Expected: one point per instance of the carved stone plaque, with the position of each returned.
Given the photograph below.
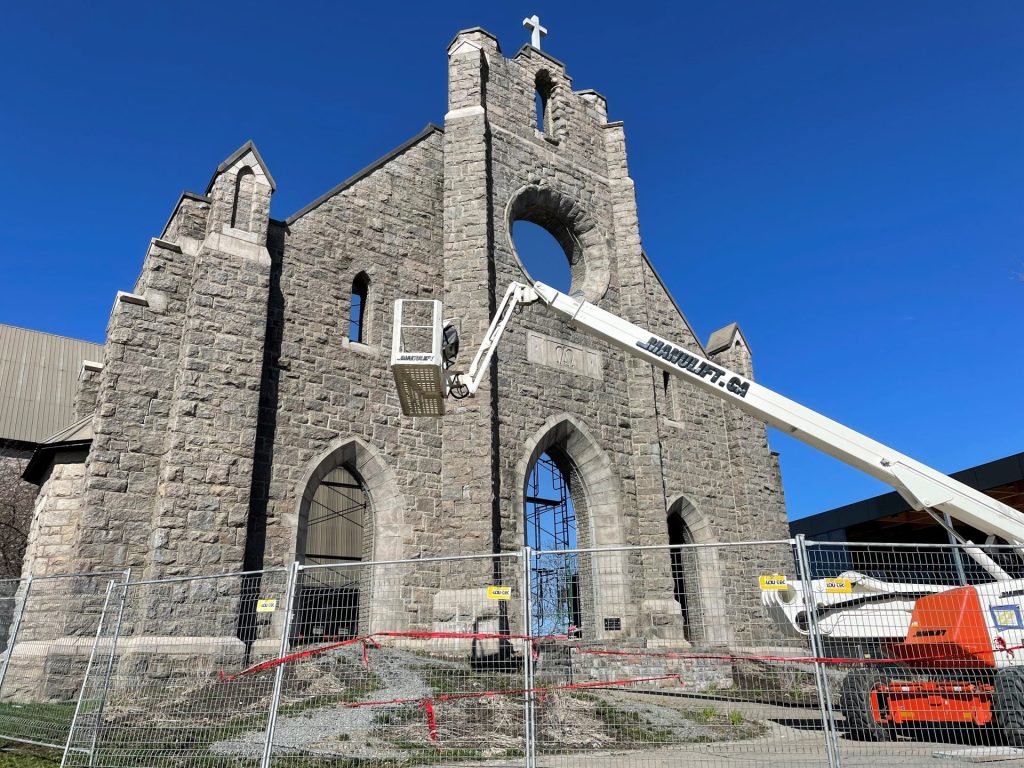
(555, 353)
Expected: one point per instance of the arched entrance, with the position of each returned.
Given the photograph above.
(570, 500)
(697, 584)
(337, 529)
(683, 571)
(349, 511)
(550, 521)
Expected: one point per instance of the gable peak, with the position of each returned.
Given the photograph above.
(245, 155)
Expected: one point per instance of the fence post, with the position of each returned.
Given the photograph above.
(529, 750)
(110, 664)
(828, 719)
(14, 633)
(85, 681)
(275, 699)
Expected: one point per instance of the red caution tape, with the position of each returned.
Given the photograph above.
(1008, 650)
(428, 707)
(368, 641)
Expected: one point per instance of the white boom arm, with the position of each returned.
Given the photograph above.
(923, 487)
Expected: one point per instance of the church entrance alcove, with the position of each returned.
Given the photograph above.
(579, 246)
(349, 511)
(337, 535)
(682, 557)
(551, 528)
(570, 502)
(696, 585)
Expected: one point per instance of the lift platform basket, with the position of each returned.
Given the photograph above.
(416, 357)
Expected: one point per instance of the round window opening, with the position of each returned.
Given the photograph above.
(555, 241)
(541, 255)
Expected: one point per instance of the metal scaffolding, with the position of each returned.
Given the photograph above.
(551, 526)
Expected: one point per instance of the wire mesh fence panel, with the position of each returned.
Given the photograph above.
(164, 686)
(933, 635)
(49, 624)
(9, 591)
(670, 656)
(408, 663)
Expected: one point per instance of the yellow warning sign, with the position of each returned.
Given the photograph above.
(1004, 617)
(266, 606)
(775, 581)
(499, 593)
(838, 586)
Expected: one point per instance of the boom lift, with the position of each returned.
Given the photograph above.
(954, 645)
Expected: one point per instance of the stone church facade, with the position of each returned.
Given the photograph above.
(234, 387)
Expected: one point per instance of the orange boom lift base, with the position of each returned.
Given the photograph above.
(947, 630)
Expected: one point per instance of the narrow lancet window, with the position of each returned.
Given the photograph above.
(357, 309)
(241, 212)
(541, 100)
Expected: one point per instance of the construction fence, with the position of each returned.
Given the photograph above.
(756, 653)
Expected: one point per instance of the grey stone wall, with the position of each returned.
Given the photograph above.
(17, 499)
(52, 545)
(88, 388)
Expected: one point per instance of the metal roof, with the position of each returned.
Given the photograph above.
(38, 380)
(1002, 479)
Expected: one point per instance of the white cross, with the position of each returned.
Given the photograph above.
(533, 24)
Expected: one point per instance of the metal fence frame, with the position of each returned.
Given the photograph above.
(27, 590)
(807, 556)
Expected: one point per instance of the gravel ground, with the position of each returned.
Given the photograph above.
(337, 728)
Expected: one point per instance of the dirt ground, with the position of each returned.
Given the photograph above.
(794, 738)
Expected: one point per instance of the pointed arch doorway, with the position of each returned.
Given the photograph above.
(550, 520)
(349, 511)
(570, 501)
(336, 534)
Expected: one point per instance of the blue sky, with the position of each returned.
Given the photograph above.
(845, 179)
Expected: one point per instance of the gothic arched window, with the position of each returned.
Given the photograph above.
(357, 309)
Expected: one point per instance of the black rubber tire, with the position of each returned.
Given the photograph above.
(1008, 704)
(855, 702)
